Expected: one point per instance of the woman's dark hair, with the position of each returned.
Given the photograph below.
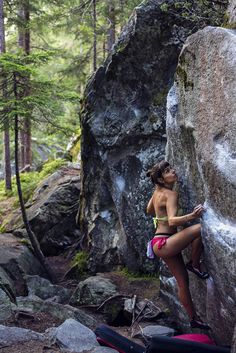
(156, 171)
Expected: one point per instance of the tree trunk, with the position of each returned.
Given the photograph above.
(94, 36)
(25, 153)
(27, 123)
(33, 240)
(6, 133)
(111, 35)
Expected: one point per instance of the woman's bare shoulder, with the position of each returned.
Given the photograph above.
(171, 193)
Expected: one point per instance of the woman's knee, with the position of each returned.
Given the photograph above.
(196, 229)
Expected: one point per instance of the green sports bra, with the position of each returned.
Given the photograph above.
(156, 220)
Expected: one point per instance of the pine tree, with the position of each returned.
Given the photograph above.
(44, 98)
(6, 133)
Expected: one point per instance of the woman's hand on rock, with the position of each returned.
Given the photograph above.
(198, 210)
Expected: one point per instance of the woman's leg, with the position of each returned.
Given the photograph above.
(177, 267)
(196, 251)
(179, 241)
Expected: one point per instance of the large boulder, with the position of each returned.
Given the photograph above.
(52, 210)
(201, 129)
(123, 132)
(16, 260)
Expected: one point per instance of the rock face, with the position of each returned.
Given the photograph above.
(52, 213)
(123, 134)
(201, 130)
(232, 12)
(16, 260)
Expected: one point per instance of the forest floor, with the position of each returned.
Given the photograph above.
(142, 287)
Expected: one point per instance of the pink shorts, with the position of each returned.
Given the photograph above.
(160, 241)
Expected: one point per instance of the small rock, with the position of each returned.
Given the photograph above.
(63, 312)
(104, 350)
(74, 337)
(12, 335)
(94, 290)
(44, 289)
(155, 330)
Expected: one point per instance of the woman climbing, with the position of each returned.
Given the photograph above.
(168, 242)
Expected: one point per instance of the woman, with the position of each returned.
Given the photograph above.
(168, 242)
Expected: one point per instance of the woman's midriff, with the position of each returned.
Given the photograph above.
(165, 228)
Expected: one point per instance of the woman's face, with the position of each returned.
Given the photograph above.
(169, 175)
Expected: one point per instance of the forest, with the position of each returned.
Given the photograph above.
(48, 52)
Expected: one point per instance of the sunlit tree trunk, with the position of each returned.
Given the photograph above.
(6, 133)
(111, 35)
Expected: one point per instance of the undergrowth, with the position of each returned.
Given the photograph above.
(30, 181)
(79, 263)
(137, 275)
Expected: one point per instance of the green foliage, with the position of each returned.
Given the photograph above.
(30, 181)
(79, 263)
(51, 166)
(138, 275)
(25, 241)
(3, 227)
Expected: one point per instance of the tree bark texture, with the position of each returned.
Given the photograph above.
(25, 153)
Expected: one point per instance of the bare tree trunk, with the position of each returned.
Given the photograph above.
(27, 122)
(6, 133)
(2, 29)
(33, 240)
(104, 48)
(21, 44)
(94, 36)
(111, 35)
(25, 154)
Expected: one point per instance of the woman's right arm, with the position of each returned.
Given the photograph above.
(172, 209)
